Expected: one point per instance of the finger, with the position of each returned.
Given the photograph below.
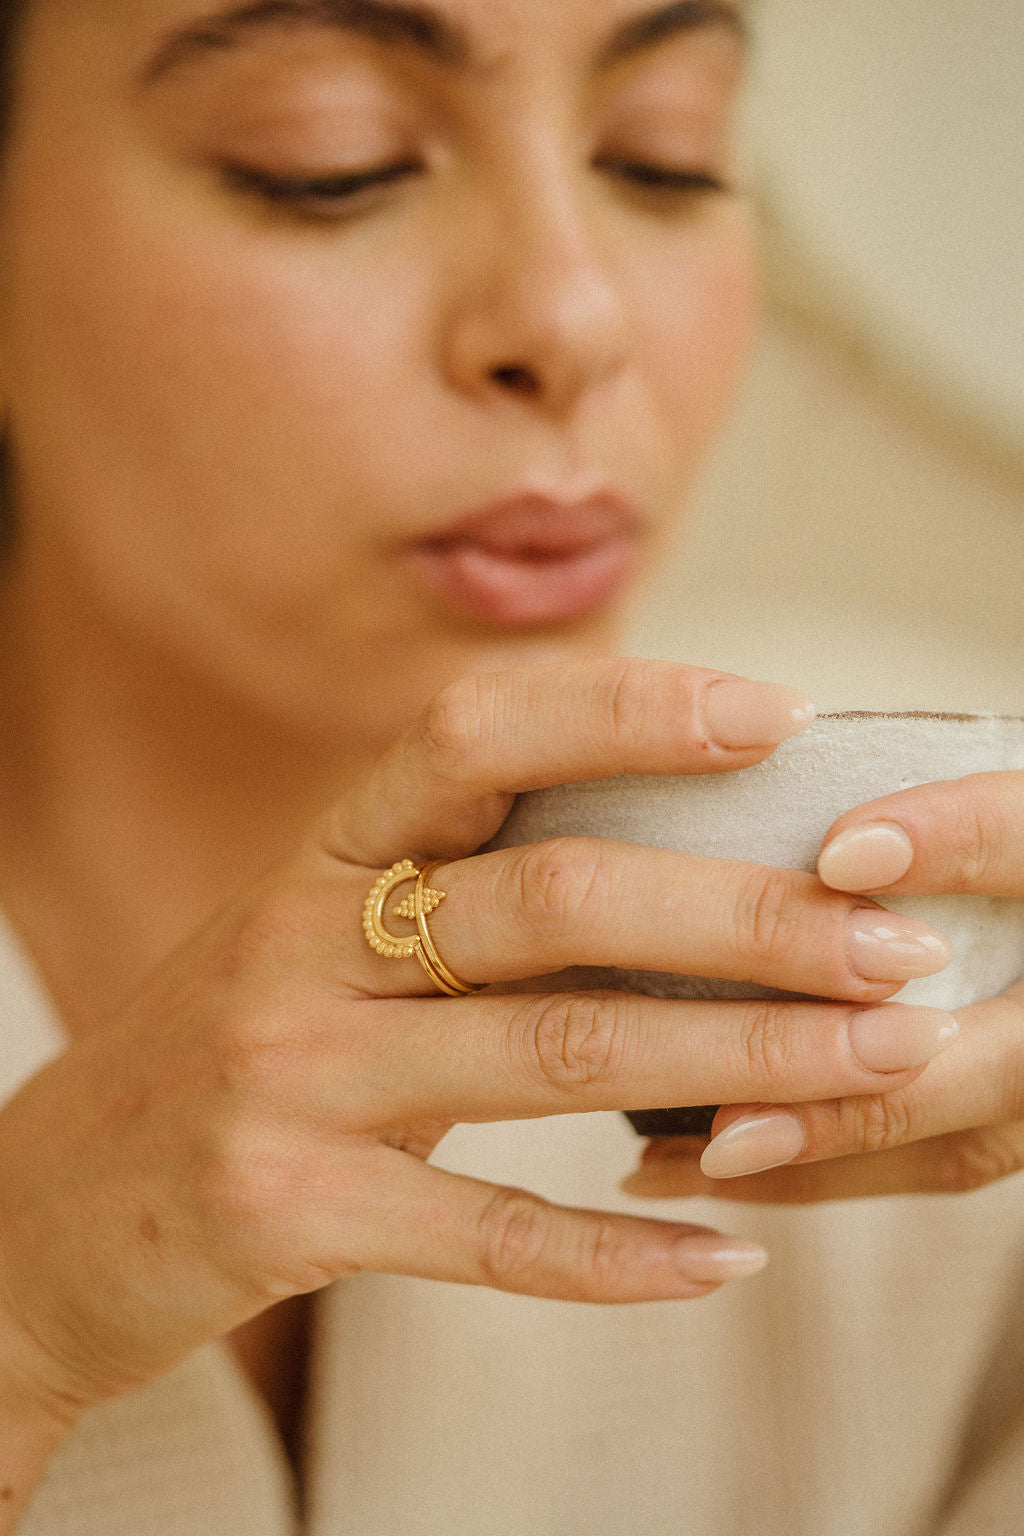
(979, 1084)
(411, 1218)
(448, 784)
(957, 1163)
(573, 901)
(528, 1055)
(961, 835)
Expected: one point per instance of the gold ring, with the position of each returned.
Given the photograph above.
(418, 907)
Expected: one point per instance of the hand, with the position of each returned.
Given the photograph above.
(957, 1128)
(257, 1123)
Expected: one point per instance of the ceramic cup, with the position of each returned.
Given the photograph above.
(778, 813)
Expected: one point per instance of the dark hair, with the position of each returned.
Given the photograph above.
(11, 14)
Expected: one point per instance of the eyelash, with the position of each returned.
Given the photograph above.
(305, 190)
(303, 194)
(663, 178)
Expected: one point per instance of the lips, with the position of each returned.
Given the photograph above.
(532, 560)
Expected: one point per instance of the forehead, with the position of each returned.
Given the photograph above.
(484, 32)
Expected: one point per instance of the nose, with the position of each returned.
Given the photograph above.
(538, 314)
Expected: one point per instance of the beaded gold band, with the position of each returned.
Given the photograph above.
(418, 907)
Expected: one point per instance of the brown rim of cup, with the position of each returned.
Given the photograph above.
(913, 714)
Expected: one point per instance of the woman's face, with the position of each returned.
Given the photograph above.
(291, 288)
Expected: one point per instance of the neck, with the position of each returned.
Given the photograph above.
(132, 802)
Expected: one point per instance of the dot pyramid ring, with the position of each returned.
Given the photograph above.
(417, 907)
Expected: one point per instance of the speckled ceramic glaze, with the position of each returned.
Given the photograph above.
(777, 813)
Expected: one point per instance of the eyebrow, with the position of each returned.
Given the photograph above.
(418, 27)
(647, 31)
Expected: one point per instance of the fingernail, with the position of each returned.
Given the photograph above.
(866, 858)
(885, 947)
(739, 713)
(710, 1256)
(753, 1144)
(896, 1038)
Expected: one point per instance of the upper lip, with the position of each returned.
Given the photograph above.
(542, 523)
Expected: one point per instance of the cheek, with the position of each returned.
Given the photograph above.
(213, 391)
(698, 316)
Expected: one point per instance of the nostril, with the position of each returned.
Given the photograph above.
(517, 379)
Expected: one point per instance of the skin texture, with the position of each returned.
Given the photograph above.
(255, 1122)
(210, 503)
(224, 418)
(190, 433)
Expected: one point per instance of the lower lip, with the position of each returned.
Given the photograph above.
(514, 591)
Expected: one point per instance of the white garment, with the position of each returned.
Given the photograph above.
(869, 1383)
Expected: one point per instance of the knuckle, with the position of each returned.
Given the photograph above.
(603, 1258)
(977, 1159)
(977, 836)
(450, 727)
(766, 918)
(579, 1040)
(257, 1055)
(273, 930)
(767, 1044)
(556, 883)
(251, 1194)
(232, 1179)
(515, 1229)
(248, 1053)
(1012, 1084)
(625, 698)
(875, 1123)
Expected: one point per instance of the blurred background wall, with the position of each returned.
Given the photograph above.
(859, 531)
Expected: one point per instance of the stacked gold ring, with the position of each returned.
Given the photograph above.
(418, 907)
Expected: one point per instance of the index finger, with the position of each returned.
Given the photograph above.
(446, 787)
(957, 836)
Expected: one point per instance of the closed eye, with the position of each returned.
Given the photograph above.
(661, 178)
(324, 196)
(317, 194)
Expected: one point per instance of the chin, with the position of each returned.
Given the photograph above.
(385, 691)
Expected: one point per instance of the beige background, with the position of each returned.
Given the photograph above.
(856, 533)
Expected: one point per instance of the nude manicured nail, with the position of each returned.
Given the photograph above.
(896, 1038)
(739, 713)
(883, 946)
(754, 1143)
(710, 1256)
(866, 858)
